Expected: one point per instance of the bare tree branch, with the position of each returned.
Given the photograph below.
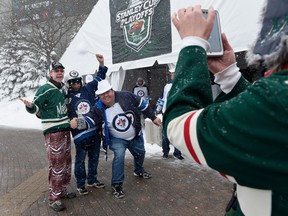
(48, 25)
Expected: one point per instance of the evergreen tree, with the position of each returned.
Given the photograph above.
(23, 69)
(38, 30)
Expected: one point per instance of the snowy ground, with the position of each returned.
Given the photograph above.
(14, 114)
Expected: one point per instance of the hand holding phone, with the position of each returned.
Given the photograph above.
(190, 22)
(220, 63)
(215, 40)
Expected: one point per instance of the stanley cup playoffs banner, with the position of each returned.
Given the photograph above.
(139, 29)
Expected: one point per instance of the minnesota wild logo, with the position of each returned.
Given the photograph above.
(136, 22)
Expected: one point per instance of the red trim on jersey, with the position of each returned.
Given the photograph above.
(188, 140)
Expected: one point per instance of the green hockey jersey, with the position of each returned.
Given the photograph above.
(49, 104)
(243, 134)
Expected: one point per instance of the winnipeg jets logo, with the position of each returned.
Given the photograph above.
(136, 22)
(123, 122)
(83, 107)
(140, 93)
(74, 74)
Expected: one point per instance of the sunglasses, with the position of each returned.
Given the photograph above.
(59, 70)
(73, 81)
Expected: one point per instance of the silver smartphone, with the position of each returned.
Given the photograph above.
(216, 46)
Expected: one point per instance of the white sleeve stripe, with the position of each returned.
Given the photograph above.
(36, 111)
(193, 144)
(40, 95)
(182, 133)
(230, 178)
(90, 121)
(191, 139)
(174, 134)
(190, 134)
(254, 201)
(142, 105)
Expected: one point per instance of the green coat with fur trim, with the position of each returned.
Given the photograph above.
(243, 134)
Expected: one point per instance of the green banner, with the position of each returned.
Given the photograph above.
(140, 29)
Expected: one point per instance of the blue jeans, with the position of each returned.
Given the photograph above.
(93, 152)
(166, 148)
(119, 146)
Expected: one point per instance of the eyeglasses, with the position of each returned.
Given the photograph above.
(59, 70)
(105, 93)
(73, 81)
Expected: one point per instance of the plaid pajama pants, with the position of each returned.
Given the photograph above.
(58, 146)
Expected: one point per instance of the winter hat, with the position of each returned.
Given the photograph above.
(103, 86)
(271, 46)
(73, 77)
(56, 65)
(140, 79)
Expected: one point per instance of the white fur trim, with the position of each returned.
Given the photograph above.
(274, 58)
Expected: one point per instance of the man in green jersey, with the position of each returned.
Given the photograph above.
(50, 106)
(243, 132)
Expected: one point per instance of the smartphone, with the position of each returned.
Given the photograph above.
(216, 46)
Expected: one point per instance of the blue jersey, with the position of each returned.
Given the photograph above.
(81, 102)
